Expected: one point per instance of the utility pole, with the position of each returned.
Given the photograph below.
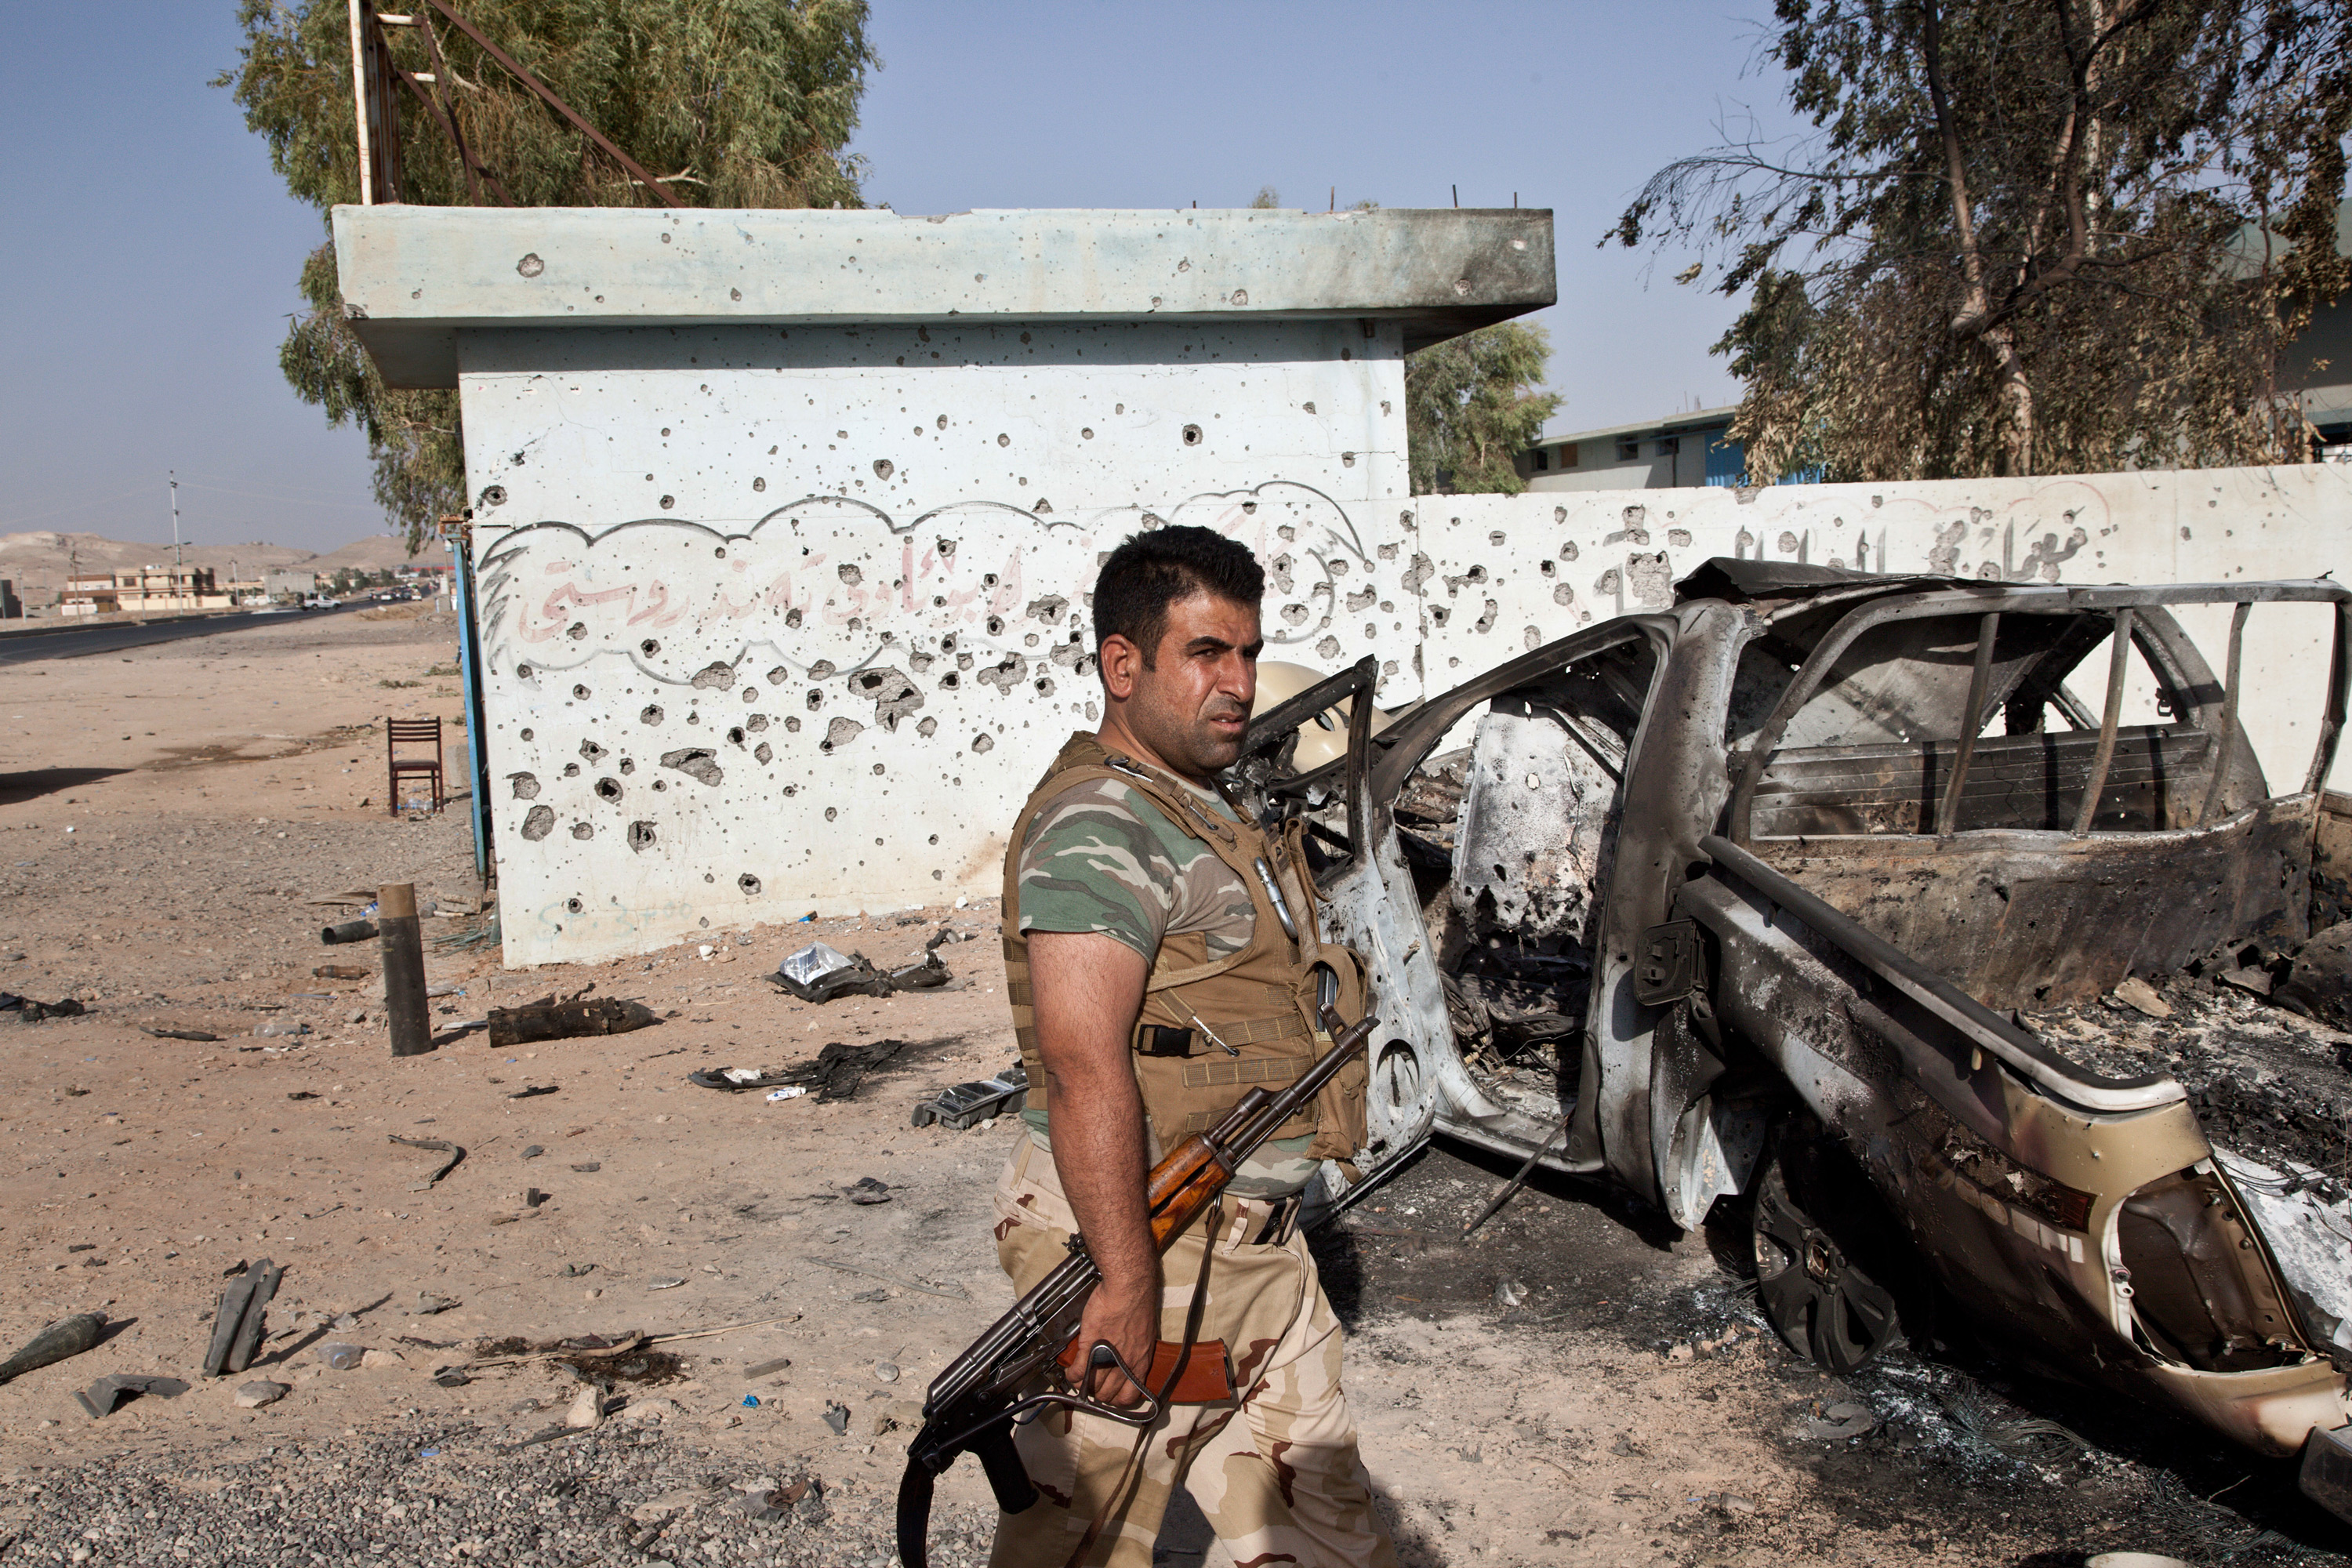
(176, 562)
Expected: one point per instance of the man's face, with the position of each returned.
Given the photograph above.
(1190, 705)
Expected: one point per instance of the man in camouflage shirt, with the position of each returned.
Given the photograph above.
(1142, 965)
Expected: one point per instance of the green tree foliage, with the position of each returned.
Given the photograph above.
(730, 103)
(1471, 405)
(2025, 236)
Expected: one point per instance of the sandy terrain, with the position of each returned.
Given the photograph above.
(1575, 1385)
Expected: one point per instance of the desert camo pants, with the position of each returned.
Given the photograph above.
(1278, 1477)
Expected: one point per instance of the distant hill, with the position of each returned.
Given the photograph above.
(38, 562)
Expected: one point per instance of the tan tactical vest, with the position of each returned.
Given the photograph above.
(1212, 1031)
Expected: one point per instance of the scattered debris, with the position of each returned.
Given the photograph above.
(820, 974)
(65, 1337)
(837, 1418)
(793, 1092)
(428, 1305)
(585, 1165)
(1509, 1293)
(571, 1018)
(765, 1367)
(101, 1399)
(343, 972)
(28, 1011)
(350, 931)
(1839, 1421)
(169, 1034)
(833, 1073)
(2141, 997)
(237, 1326)
(532, 1152)
(260, 1392)
(587, 1409)
(534, 1091)
(439, 1145)
(953, 1293)
(342, 1357)
(965, 1105)
(664, 1284)
(2319, 983)
(886, 1371)
(867, 1189)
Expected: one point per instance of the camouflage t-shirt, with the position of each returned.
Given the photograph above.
(1103, 857)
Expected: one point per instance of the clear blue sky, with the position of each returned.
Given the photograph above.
(150, 253)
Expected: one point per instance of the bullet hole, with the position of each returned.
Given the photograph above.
(526, 785)
(815, 701)
(1191, 434)
(665, 436)
(851, 574)
(1347, 459)
(1606, 582)
(832, 812)
(963, 661)
(996, 625)
(1437, 616)
(1486, 623)
(628, 767)
(750, 884)
(713, 676)
(735, 735)
(793, 619)
(580, 693)
(641, 837)
(980, 743)
(1045, 686)
(792, 725)
(695, 763)
(1563, 595)
(759, 484)
(576, 630)
(667, 502)
(591, 751)
(537, 823)
(928, 728)
(693, 717)
(734, 293)
(1086, 434)
(494, 495)
(1567, 550)
(840, 733)
(659, 785)
(649, 648)
(522, 672)
(573, 904)
(1047, 609)
(756, 722)
(652, 715)
(948, 643)
(877, 770)
(1003, 440)
(584, 831)
(791, 790)
(1788, 542)
(571, 770)
(894, 696)
(1002, 675)
(884, 468)
(525, 735)
(1293, 614)
(1548, 568)
(1328, 649)
(1069, 656)
(530, 266)
(765, 752)
(943, 418)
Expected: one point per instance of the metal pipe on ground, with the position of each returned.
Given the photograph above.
(403, 970)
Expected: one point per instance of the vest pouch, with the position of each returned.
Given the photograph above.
(1341, 1122)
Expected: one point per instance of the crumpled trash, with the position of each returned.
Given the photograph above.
(833, 1073)
(867, 1189)
(28, 1011)
(837, 1418)
(342, 1357)
(820, 974)
(102, 1397)
(575, 1017)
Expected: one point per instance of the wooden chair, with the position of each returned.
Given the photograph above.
(399, 732)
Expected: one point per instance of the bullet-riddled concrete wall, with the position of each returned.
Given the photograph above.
(839, 706)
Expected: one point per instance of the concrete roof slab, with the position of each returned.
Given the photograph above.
(415, 276)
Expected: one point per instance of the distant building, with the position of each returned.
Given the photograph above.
(284, 580)
(1689, 449)
(12, 609)
(147, 591)
(2318, 366)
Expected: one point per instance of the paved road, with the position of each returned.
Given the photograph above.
(25, 647)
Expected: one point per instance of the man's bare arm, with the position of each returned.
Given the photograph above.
(1085, 992)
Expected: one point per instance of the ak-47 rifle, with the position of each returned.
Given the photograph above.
(975, 1403)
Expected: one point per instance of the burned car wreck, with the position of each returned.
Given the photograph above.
(1808, 898)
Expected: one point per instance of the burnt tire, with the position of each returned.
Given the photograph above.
(1823, 1243)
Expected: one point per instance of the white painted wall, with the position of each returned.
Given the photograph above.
(877, 676)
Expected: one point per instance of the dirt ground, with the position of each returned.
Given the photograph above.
(1575, 1385)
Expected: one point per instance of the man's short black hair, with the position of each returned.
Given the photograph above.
(1152, 571)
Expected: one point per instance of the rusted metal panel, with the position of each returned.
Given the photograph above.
(2043, 920)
